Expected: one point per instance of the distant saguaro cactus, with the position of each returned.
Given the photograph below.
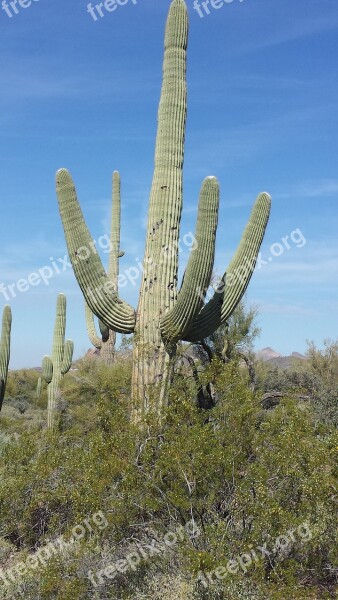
(5, 349)
(39, 388)
(105, 342)
(54, 368)
(165, 314)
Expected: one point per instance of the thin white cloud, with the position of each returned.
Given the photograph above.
(316, 188)
(297, 29)
(286, 309)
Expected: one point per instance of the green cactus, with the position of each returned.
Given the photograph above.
(166, 315)
(5, 349)
(39, 388)
(54, 368)
(105, 342)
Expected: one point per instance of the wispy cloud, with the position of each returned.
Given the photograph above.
(295, 29)
(286, 309)
(316, 188)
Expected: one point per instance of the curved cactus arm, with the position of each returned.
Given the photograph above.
(67, 357)
(104, 330)
(96, 286)
(91, 329)
(235, 281)
(178, 321)
(5, 350)
(47, 369)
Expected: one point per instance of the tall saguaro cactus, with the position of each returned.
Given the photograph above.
(54, 368)
(105, 342)
(5, 349)
(165, 314)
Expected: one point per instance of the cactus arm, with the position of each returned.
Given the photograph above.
(97, 288)
(47, 369)
(59, 332)
(236, 280)
(5, 349)
(107, 335)
(115, 230)
(104, 330)
(67, 357)
(91, 330)
(178, 321)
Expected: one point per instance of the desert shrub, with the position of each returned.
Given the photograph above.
(244, 476)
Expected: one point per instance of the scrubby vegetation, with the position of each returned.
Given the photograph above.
(239, 474)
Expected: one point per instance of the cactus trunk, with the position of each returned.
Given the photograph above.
(54, 368)
(5, 347)
(152, 362)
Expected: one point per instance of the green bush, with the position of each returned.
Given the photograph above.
(243, 475)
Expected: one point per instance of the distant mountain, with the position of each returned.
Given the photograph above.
(298, 355)
(271, 356)
(267, 354)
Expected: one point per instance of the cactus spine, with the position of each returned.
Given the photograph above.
(165, 314)
(5, 349)
(105, 342)
(54, 368)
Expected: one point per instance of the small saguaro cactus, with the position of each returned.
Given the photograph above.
(165, 314)
(54, 368)
(5, 348)
(105, 342)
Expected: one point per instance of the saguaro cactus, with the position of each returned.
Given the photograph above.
(105, 342)
(165, 315)
(39, 388)
(5, 349)
(54, 368)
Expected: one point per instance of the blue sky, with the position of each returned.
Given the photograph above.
(262, 116)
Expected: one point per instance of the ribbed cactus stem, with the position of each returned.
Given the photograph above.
(236, 279)
(115, 231)
(5, 350)
(47, 369)
(91, 329)
(158, 294)
(96, 286)
(39, 388)
(60, 362)
(106, 342)
(178, 321)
